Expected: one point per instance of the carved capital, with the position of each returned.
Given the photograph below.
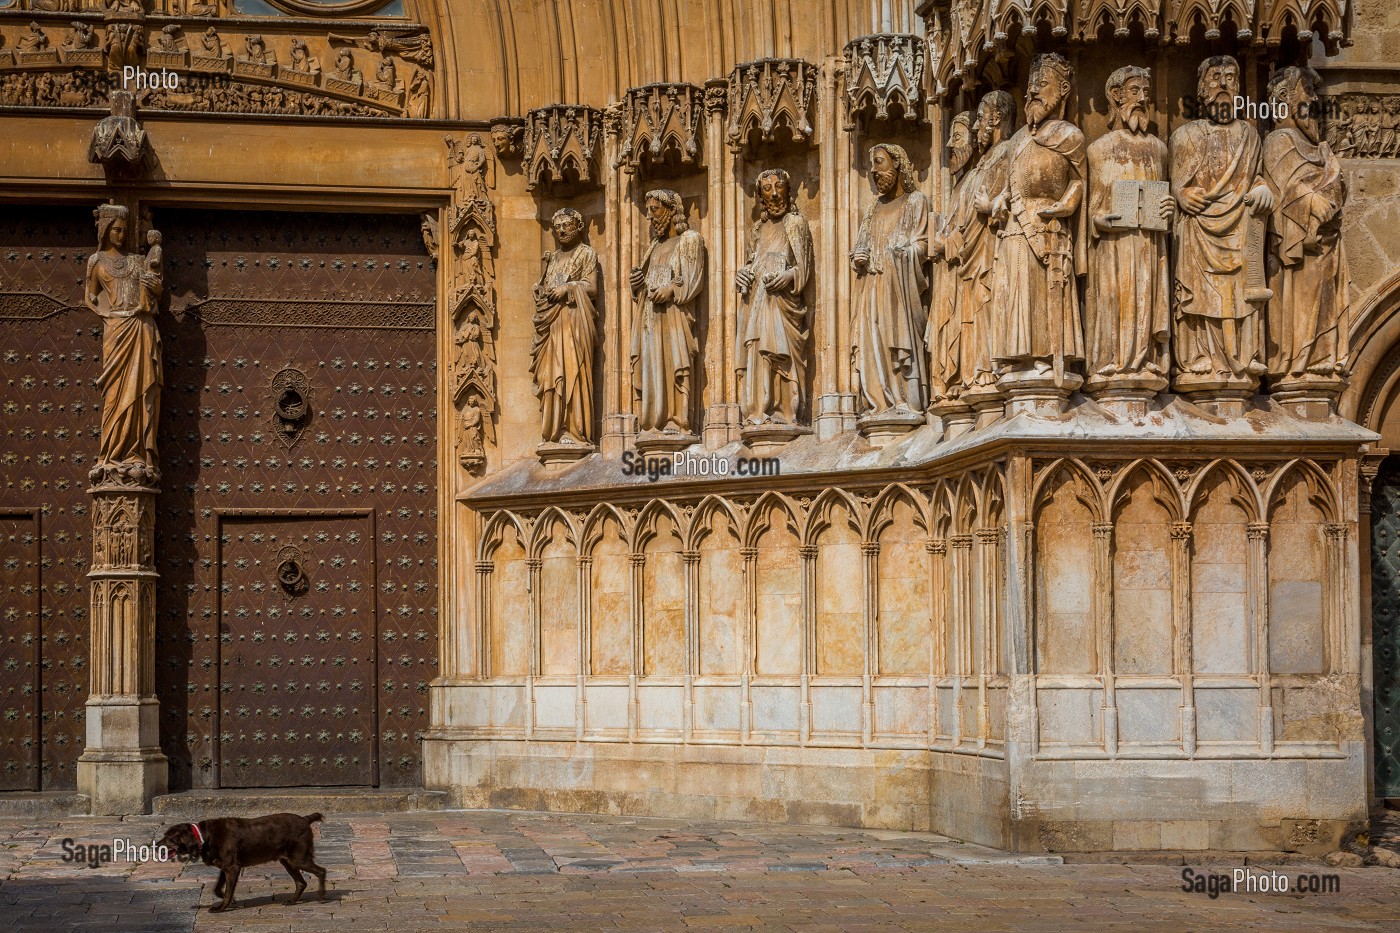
(716, 96)
(484, 567)
(533, 564)
(748, 553)
(1257, 531)
(807, 552)
(1337, 531)
(637, 558)
(963, 542)
(1181, 531)
(936, 545)
(690, 557)
(1103, 529)
(988, 535)
(768, 94)
(561, 141)
(660, 124)
(884, 78)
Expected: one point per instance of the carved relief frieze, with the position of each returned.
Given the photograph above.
(51, 63)
(467, 244)
(561, 141)
(884, 78)
(660, 123)
(1363, 126)
(767, 94)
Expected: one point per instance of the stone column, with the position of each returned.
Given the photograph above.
(725, 236)
(1103, 629)
(1181, 624)
(122, 766)
(1257, 587)
(834, 407)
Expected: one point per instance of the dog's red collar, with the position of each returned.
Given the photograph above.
(197, 834)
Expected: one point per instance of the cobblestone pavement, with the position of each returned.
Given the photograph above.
(474, 870)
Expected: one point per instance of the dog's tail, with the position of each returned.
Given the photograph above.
(313, 818)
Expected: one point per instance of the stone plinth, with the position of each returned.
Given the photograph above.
(122, 766)
(1041, 394)
(889, 425)
(1221, 396)
(771, 435)
(955, 414)
(1309, 396)
(664, 443)
(560, 454)
(988, 404)
(1126, 395)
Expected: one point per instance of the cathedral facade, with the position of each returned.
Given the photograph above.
(955, 416)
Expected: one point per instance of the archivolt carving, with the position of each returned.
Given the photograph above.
(884, 76)
(560, 143)
(661, 121)
(768, 94)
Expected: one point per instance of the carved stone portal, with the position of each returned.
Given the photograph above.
(560, 144)
(768, 94)
(661, 122)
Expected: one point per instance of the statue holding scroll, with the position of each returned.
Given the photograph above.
(1215, 162)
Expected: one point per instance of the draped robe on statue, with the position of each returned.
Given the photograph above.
(131, 363)
(974, 242)
(1127, 312)
(1038, 259)
(773, 333)
(562, 354)
(663, 332)
(1218, 331)
(889, 316)
(1309, 313)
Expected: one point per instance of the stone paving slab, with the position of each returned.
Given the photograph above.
(497, 870)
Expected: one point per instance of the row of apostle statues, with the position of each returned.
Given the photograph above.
(1123, 266)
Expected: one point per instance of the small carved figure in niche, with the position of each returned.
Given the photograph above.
(561, 357)
(155, 254)
(198, 8)
(303, 60)
(974, 242)
(1215, 178)
(123, 290)
(32, 41)
(213, 45)
(471, 439)
(773, 327)
(168, 39)
(126, 7)
(82, 37)
(889, 313)
(470, 259)
(1309, 312)
(54, 6)
(123, 43)
(345, 69)
(1039, 255)
(420, 90)
(386, 76)
(1368, 127)
(944, 337)
(474, 159)
(469, 355)
(665, 288)
(1130, 210)
(256, 50)
(429, 228)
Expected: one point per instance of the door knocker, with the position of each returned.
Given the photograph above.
(291, 404)
(291, 575)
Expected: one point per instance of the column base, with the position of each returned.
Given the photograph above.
(771, 435)
(955, 414)
(619, 434)
(721, 425)
(1223, 396)
(836, 414)
(122, 768)
(1037, 394)
(1127, 395)
(1310, 397)
(653, 443)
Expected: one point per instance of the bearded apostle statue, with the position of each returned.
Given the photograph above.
(1215, 165)
(561, 357)
(1040, 246)
(944, 337)
(1309, 313)
(889, 310)
(123, 288)
(1130, 208)
(773, 324)
(665, 287)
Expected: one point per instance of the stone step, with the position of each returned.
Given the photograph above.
(49, 804)
(207, 804)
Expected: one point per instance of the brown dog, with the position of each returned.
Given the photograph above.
(233, 844)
